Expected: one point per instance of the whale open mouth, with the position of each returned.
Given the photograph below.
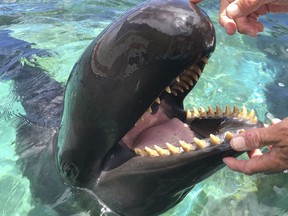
(167, 129)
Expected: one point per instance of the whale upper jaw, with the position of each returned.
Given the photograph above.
(124, 132)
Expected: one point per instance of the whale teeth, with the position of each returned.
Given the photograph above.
(158, 101)
(200, 143)
(215, 140)
(189, 116)
(168, 90)
(195, 77)
(151, 152)
(227, 111)
(219, 111)
(202, 112)
(178, 88)
(161, 151)
(196, 69)
(196, 114)
(210, 112)
(205, 60)
(243, 113)
(186, 146)
(174, 92)
(252, 116)
(191, 74)
(140, 152)
(240, 131)
(235, 111)
(186, 79)
(184, 85)
(228, 135)
(254, 120)
(149, 109)
(173, 149)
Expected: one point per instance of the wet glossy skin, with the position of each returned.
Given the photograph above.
(120, 75)
(112, 85)
(115, 81)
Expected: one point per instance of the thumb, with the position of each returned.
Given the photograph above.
(241, 8)
(275, 134)
(248, 140)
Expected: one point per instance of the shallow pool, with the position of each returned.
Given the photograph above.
(242, 71)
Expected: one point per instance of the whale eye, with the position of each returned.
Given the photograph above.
(70, 170)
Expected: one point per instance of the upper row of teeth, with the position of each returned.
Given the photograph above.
(202, 113)
(184, 146)
(236, 113)
(185, 80)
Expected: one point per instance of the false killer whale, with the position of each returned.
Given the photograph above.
(116, 137)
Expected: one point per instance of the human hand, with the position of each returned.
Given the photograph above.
(242, 15)
(274, 136)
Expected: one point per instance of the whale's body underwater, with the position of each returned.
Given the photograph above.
(120, 138)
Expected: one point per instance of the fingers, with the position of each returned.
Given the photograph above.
(282, 7)
(249, 140)
(249, 25)
(228, 23)
(242, 15)
(241, 8)
(262, 163)
(275, 121)
(245, 25)
(275, 135)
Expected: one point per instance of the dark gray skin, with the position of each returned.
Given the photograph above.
(114, 82)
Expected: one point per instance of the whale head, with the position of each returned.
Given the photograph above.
(124, 133)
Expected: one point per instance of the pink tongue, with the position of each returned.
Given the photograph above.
(170, 131)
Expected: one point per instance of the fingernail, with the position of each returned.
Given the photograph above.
(252, 34)
(275, 121)
(230, 28)
(233, 10)
(238, 143)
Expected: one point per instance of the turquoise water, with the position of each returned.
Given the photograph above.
(243, 70)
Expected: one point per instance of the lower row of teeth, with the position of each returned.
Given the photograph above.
(184, 146)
